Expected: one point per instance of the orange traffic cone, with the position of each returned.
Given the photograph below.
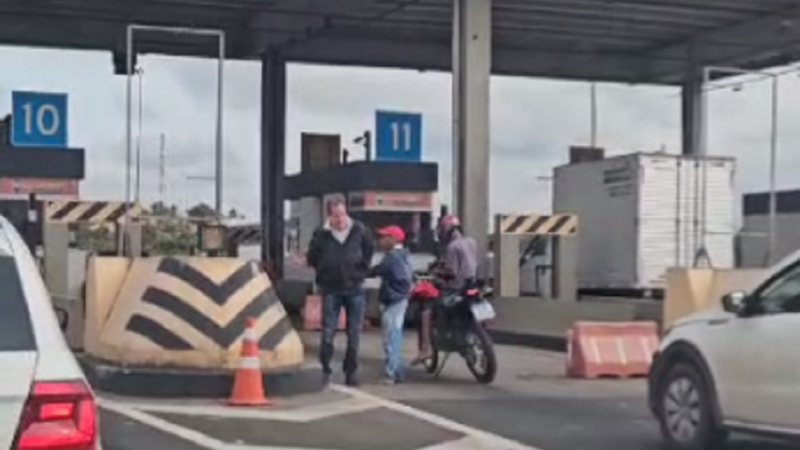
(248, 386)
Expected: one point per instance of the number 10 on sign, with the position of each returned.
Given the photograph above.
(39, 119)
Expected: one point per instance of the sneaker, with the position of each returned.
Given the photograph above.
(420, 360)
(326, 379)
(389, 381)
(351, 380)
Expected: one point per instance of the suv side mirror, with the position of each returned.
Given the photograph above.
(63, 318)
(734, 302)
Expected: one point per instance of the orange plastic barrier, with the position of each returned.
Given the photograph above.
(609, 349)
(312, 314)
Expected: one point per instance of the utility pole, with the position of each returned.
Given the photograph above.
(162, 171)
(138, 195)
(593, 113)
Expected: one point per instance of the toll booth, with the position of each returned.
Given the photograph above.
(536, 255)
(377, 194)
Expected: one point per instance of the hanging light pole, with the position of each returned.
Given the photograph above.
(708, 73)
(129, 49)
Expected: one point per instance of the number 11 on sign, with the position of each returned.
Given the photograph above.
(405, 137)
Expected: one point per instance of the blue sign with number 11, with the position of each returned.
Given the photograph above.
(398, 136)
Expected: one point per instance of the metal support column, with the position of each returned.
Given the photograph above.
(472, 62)
(273, 158)
(692, 110)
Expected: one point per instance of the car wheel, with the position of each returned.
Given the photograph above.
(685, 411)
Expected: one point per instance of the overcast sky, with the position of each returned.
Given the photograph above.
(533, 122)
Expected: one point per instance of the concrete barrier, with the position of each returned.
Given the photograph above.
(185, 313)
(104, 278)
(535, 322)
(693, 290)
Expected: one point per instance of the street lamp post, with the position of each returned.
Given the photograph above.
(773, 151)
(129, 49)
(593, 114)
(139, 71)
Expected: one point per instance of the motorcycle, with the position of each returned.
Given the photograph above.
(458, 326)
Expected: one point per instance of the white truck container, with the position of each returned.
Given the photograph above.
(641, 214)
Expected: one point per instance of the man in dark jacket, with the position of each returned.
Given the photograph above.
(341, 253)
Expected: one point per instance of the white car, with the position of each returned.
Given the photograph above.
(45, 402)
(733, 370)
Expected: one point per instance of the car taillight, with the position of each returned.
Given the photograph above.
(58, 416)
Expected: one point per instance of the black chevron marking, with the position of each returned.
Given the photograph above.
(218, 293)
(224, 336)
(556, 228)
(277, 332)
(118, 213)
(155, 332)
(275, 335)
(92, 211)
(64, 210)
(512, 228)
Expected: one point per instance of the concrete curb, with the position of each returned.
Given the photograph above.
(188, 383)
(539, 341)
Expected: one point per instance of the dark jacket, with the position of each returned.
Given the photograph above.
(396, 277)
(341, 267)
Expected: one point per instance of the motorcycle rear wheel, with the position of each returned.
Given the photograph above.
(479, 354)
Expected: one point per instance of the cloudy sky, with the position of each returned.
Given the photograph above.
(533, 122)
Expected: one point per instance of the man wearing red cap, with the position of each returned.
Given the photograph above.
(396, 283)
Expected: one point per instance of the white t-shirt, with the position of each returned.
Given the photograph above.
(342, 235)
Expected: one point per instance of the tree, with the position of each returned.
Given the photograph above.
(201, 211)
(233, 214)
(159, 209)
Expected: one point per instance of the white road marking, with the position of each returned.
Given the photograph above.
(467, 443)
(475, 439)
(493, 441)
(304, 414)
(188, 435)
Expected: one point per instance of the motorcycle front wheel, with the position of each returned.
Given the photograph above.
(479, 354)
(431, 363)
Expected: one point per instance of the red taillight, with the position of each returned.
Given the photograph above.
(58, 416)
(473, 292)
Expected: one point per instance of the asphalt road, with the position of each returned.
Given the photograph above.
(530, 403)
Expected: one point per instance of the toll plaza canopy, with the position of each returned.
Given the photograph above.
(630, 41)
(647, 41)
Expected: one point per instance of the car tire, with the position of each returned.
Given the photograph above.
(685, 411)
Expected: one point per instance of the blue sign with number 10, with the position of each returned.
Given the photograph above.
(39, 120)
(399, 136)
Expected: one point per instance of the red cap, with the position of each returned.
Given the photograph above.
(393, 231)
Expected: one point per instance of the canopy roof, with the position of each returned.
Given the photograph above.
(647, 41)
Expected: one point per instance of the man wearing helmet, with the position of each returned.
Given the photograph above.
(457, 266)
(459, 259)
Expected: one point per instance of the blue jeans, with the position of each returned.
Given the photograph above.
(331, 308)
(392, 321)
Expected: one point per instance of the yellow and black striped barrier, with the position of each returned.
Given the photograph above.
(90, 212)
(189, 312)
(538, 225)
(244, 235)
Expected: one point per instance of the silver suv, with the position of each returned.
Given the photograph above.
(736, 369)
